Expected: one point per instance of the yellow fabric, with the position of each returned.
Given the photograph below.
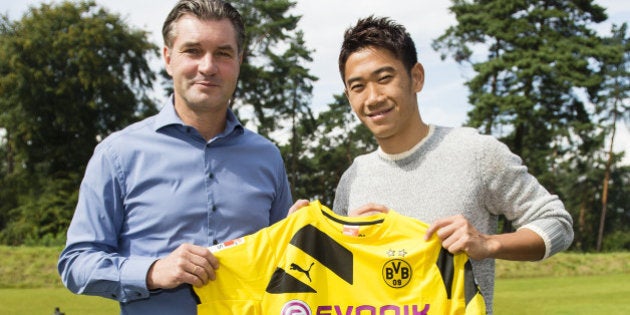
(316, 262)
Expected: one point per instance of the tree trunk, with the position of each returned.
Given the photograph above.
(602, 219)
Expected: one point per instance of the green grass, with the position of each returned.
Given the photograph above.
(29, 267)
(566, 264)
(43, 301)
(568, 283)
(575, 295)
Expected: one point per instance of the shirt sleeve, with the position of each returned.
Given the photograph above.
(283, 201)
(517, 194)
(90, 263)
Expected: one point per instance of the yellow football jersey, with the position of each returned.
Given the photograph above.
(317, 262)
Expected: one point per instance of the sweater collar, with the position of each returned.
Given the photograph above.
(408, 153)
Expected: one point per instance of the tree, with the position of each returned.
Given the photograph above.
(528, 88)
(70, 74)
(273, 66)
(330, 149)
(294, 91)
(613, 104)
(526, 91)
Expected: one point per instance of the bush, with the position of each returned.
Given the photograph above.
(617, 241)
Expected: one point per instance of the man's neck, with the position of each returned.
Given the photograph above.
(406, 141)
(207, 123)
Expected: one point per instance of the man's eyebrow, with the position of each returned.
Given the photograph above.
(374, 73)
(228, 47)
(198, 44)
(190, 44)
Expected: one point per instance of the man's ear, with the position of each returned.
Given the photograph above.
(417, 77)
(166, 55)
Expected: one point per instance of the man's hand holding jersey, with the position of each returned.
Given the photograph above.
(188, 263)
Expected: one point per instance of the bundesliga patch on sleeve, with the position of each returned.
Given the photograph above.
(227, 244)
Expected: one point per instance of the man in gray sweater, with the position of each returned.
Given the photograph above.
(452, 178)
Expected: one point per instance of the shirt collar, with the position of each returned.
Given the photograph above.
(168, 116)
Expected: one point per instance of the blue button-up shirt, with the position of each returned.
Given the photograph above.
(156, 185)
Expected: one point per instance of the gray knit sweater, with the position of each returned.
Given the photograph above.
(458, 171)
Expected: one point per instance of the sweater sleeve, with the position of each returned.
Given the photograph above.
(517, 194)
(342, 193)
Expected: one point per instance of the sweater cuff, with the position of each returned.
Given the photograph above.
(552, 236)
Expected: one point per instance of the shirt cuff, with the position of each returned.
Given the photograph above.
(134, 278)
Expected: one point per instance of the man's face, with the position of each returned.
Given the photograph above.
(381, 92)
(204, 63)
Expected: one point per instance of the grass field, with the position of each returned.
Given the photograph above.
(566, 284)
(576, 295)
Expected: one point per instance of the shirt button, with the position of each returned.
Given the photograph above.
(215, 242)
(214, 208)
(211, 176)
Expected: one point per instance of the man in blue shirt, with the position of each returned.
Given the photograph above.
(160, 191)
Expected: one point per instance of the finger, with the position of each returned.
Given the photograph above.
(456, 246)
(202, 256)
(433, 228)
(204, 266)
(369, 209)
(300, 203)
(195, 277)
(199, 275)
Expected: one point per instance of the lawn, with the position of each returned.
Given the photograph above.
(575, 295)
(43, 302)
(566, 284)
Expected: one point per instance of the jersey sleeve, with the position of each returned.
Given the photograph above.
(245, 264)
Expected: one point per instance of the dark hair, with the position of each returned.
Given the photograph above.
(380, 33)
(204, 10)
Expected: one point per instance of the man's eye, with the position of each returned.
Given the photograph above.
(225, 54)
(191, 51)
(356, 87)
(385, 78)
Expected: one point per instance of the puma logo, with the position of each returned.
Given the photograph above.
(306, 272)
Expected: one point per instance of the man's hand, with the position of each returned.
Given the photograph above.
(190, 264)
(458, 235)
(368, 209)
(300, 203)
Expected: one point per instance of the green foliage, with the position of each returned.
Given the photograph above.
(549, 87)
(70, 74)
(329, 150)
(29, 267)
(566, 265)
(274, 82)
(42, 217)
(617, 241)
(525, 89)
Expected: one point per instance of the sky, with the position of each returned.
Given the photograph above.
(443, 100)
